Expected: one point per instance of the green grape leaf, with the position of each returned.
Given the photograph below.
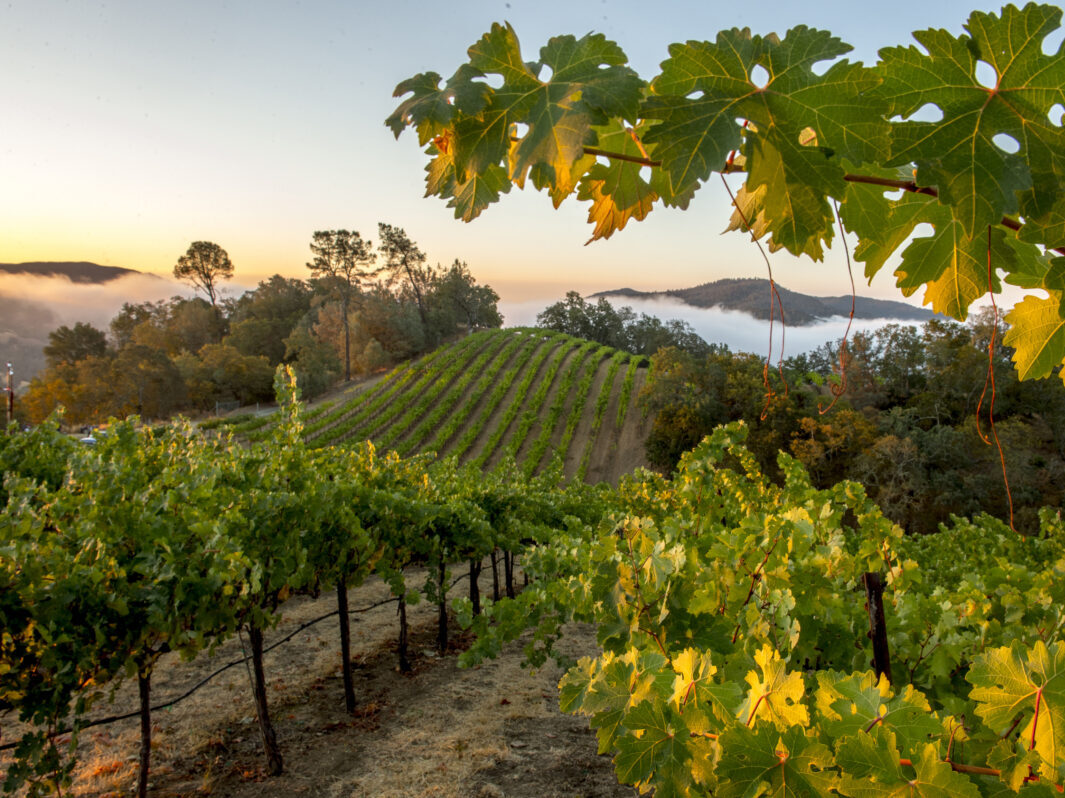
(1037, 334)
(800, 123)
(1012, 681)
(872, 769)
(694, 136)
(431, 108)
(952, 267)
(882, 225)
(616, 189)
(589, 83)
(796, 179)
(607, 699)
(654, 750)
(776, 695)
(764, 761)
(958, 155)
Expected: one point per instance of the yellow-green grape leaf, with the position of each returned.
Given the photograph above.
(655, 750)
(872, 768)
(697, 696)
(859, 702)
(764, 761)
(1008, 681)
(958, 154)
(951, 266)
(617, 190)
(470, 196)
(776, 695)
(1013, 762)
(1037, 335)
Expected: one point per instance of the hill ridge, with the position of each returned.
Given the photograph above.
(750, 295)
(81, 271)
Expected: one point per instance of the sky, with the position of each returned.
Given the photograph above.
(131, 129)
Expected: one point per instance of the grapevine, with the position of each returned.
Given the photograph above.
(821, 129)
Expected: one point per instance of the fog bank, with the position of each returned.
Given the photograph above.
(740, 331)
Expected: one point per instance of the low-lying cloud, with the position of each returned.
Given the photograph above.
(740, 331)
(31, 307)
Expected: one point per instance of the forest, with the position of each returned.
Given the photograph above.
(360, 311)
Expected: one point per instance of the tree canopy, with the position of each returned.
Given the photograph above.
(203, 266)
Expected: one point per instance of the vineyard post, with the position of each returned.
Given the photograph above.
(10, 395)
(475, 589)
(404, 662)
(144, 687)
(274, 762)
(441, 598)
(495, 575)
(345, 641)
(874, 605)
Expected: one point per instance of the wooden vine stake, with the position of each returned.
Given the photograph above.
(874, 605)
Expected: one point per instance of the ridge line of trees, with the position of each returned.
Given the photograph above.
(354, 315)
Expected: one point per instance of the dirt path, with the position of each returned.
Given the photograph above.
(486, 732)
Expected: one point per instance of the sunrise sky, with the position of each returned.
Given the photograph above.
(131, 129)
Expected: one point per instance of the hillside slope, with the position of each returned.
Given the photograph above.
(533, 395)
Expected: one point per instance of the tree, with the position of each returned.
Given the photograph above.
(262, 319)
(405, 263)
(457, 291)
(71, 344)
(342, 260)
(203, 266)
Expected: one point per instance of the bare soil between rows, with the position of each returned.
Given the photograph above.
(492, 731)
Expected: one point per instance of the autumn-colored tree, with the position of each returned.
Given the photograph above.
(342, 262)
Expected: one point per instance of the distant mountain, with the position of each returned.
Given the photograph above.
(76, 272)
(751, 296)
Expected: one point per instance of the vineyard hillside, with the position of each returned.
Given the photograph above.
(538, 396)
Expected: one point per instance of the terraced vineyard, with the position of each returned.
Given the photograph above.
(542, 398)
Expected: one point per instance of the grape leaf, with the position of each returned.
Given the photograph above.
(657, 752)
(616, 189)
(1009, 681)
(588, 84)
(763, 761)
(696, 134)
(1013, 763)
(882, 225)
(1037, 334)
(432, 108)
(696, 695)
(958, 154)
(776, 695)
(470, 196)
(872, 769)
(853, 703)
(951, 266)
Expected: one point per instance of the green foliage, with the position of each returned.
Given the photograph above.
(732, 625)
(821, 130)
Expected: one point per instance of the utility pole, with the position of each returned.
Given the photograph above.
(10, 395)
